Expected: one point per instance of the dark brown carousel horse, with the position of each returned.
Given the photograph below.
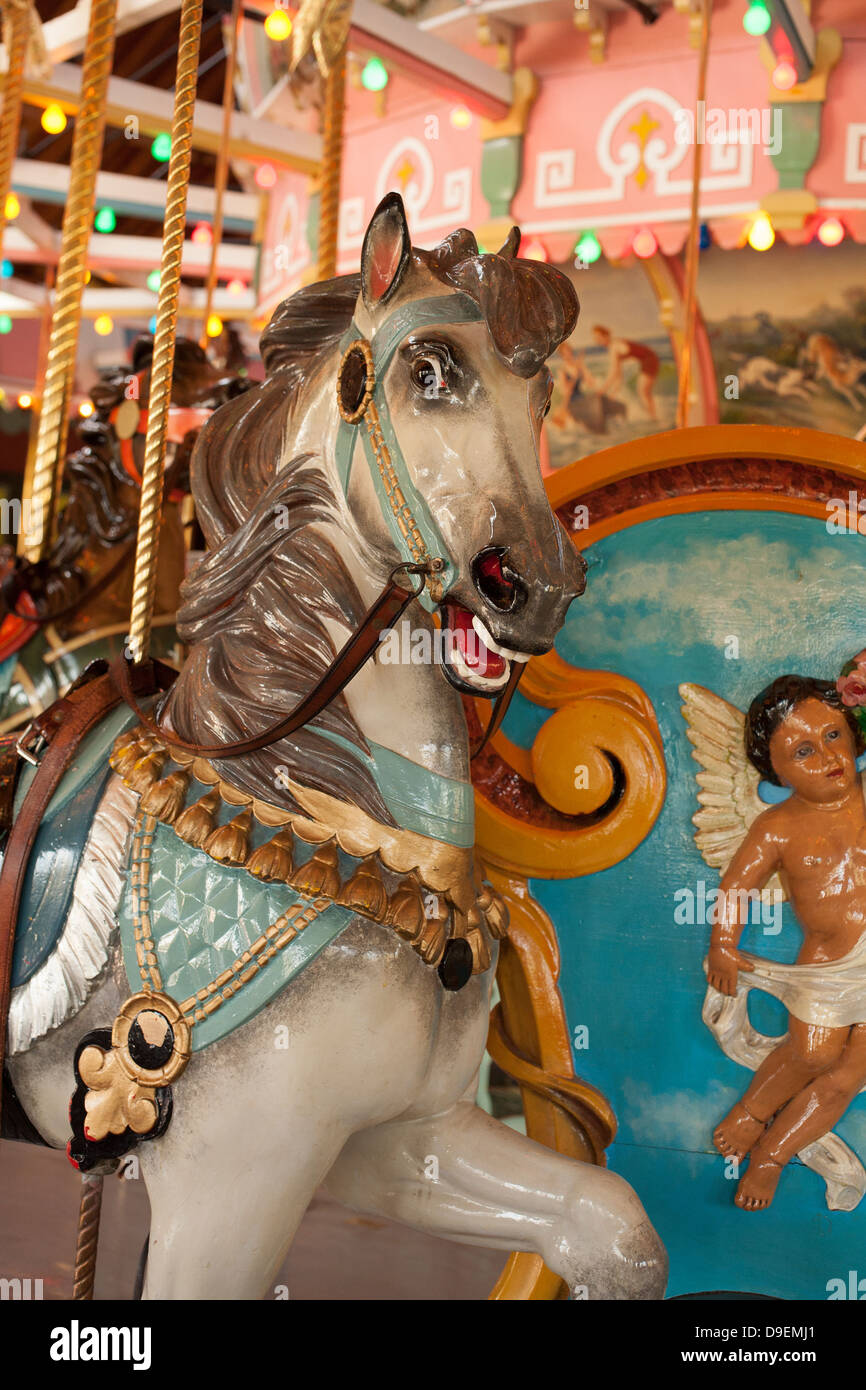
(59, 614)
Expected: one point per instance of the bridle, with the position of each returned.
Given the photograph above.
(361, 401)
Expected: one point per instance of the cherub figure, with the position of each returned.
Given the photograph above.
(803, 738)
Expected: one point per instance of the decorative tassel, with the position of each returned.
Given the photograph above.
(495, 912)
(230, 844)
(365, 892)
(196, 823)
(405, 911)
(166, 799)
(123, 760)
(431, 943)
(146, 771)
(273, 861)
(481, 956)
(321, 874)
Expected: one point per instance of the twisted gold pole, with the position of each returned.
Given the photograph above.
(16, 18)
(693, 251)
(71, 274)
(332, 167)
(222, 168)
(153, 471)
(88, 1236)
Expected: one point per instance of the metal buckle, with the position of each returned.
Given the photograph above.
(26, 753)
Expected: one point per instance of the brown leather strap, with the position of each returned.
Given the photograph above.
(63, 726)
(500, 709)
(389, 606)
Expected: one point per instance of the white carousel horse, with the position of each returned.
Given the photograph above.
(357, 1066)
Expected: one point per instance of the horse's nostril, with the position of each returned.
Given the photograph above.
(496, 582)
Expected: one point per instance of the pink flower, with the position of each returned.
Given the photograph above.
(852, 687)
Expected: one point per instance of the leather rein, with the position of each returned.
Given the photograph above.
(384, 613)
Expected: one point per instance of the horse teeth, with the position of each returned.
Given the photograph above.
(493, 645)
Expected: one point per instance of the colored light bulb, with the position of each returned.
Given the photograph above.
(151, 327)
(534, 250)
(103, 325)
(153, 281)
(53, 119)
(13, 207)
(278, 25)
(588, 248)
(374, 77)
(7, 269)
(214, 326)
(644, 244)
(831, 232)
(5, 323)
(85, 409)
(461, 118)
(266, 176)
(761, 234)
(756, 20)
(202, 234)
(784, 75)
(236, 287)
(161, 147)
(25, 400)
(105, 221)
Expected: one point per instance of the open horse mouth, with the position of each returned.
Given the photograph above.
(474, 662)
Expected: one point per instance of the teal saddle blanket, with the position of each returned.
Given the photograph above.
(203, 918)
(203, 915)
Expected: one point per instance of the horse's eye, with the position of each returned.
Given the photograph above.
(428, 375)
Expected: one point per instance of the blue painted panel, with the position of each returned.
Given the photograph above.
(661, 600)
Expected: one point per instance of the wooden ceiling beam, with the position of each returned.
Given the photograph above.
(147, 111)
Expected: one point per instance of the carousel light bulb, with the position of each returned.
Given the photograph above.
(153, 281)
(831, 232)
(784, 75)
(761, 234)
(13, 207)
(105, 221)
(53, 119)
(588, 248)
(374, 76)
(266, 176)
(85, 409)
(644, 244)
(236, 287)
(757, 20)
(461, 118)
(25, 400)
(7, 269)
(87, 277)
(202, 234)
(103, 325)
(533, 251)
(214, 326)
(161, 148)
(5, 323)
(278, 25)
(151, 327)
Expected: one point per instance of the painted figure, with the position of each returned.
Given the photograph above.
(284, 919)
(804, 742)
(623, 350)
(583, 401)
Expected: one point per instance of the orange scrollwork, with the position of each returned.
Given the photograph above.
(597, 770)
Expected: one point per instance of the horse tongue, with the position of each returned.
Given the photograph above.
(474, 652)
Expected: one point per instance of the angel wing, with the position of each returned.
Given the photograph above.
(728, 784)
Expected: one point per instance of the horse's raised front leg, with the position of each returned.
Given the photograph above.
(465, 1176)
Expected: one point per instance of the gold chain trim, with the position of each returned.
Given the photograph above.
(258, 954)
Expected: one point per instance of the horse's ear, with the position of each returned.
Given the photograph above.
(511, 244)
(386, 251)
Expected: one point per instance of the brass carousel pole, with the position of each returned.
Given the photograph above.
(71, 274)
(222, 168)
(16, 26)
(153, 471)
(332, 167)
(693, 251)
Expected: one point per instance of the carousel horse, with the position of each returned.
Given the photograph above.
(284, 920)
(73, 607)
